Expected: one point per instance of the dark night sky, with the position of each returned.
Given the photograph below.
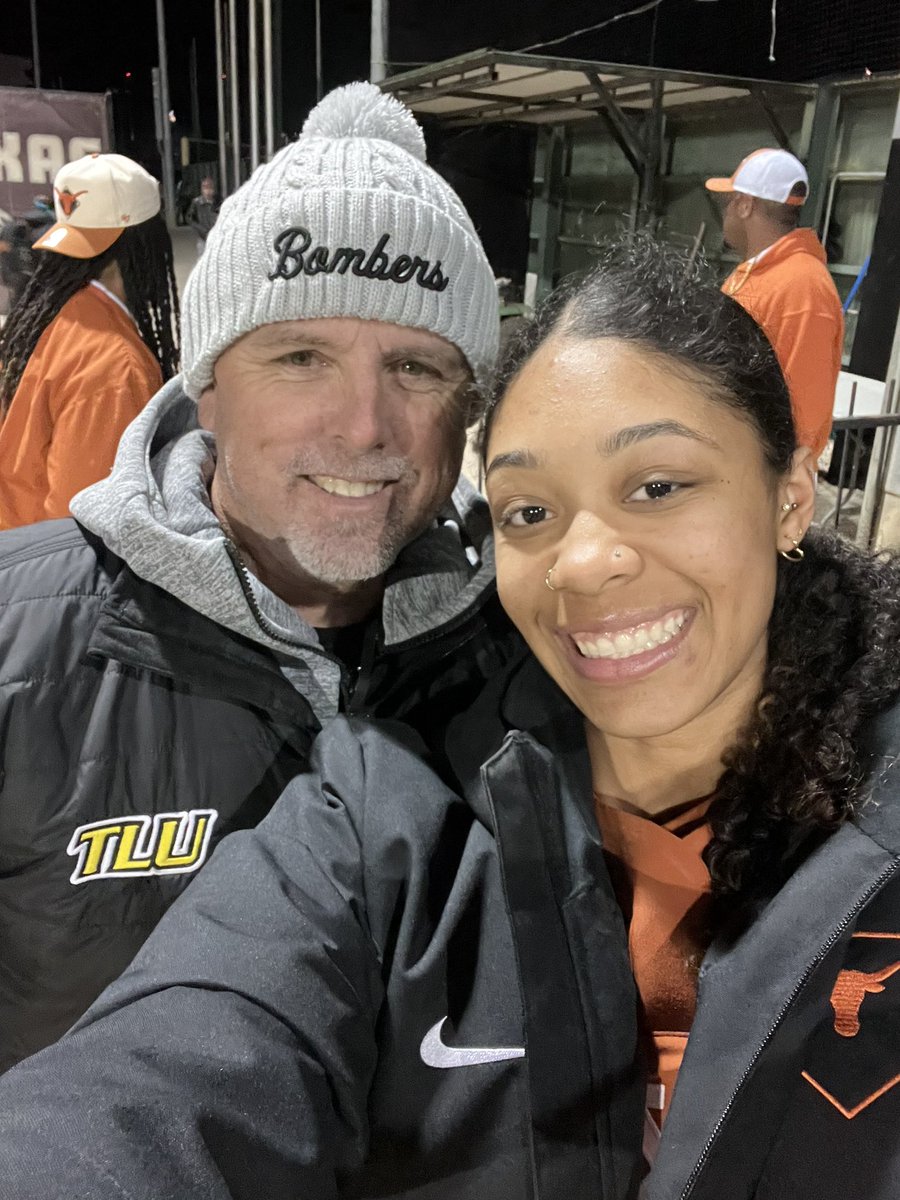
(91, 47)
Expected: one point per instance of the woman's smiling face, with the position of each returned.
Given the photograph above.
(653, 505)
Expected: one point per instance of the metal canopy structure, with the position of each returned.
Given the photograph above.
(488, 86)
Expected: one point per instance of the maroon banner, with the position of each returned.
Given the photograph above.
(40, 131)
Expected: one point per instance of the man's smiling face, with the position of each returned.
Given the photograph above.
(338, 440)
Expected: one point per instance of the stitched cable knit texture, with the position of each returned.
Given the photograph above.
(347, 221)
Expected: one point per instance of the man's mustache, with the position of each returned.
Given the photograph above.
(357, 469)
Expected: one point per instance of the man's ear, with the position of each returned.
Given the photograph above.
(206, 408)
(744, 205)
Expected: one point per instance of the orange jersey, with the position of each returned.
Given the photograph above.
(89, 375)
(789, 292)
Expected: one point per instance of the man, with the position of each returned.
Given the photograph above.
(783, 282)
(168, 659)
(91, 341)
(203, 211)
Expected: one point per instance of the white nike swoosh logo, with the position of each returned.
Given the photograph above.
(435, 1054)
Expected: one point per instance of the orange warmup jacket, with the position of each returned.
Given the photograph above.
(89, 375)
(789, 292)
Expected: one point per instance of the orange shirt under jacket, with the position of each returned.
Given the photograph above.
(789, 292)
(662, 886)
(89, 376)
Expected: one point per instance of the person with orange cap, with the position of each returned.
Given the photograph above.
(92, 338)
(783, 282)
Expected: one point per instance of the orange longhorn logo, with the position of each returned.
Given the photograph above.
(850, 989)
(68, 201)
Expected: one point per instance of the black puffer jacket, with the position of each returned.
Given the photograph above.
(134, 734)
(416, 996)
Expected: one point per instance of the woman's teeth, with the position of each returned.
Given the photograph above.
(347, 487)
(628, 642)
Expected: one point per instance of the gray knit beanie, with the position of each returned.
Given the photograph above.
(347, 221)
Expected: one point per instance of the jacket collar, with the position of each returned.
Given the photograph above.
(522, 699)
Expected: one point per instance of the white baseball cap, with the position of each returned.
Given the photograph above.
(96, 198)
(768, 174)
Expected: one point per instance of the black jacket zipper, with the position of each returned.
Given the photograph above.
(355, 687)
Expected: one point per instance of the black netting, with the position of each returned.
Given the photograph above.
(814, 37)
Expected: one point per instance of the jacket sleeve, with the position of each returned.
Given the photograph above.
(86, 432)
(234, 1058)
(807, 341)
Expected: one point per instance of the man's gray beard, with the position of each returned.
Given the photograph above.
(343, 556)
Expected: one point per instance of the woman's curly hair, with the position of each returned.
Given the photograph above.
(797, 771)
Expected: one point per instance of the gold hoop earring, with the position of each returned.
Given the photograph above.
(547, 579)
(796, 553)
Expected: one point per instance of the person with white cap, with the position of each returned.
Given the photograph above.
(279, 541)
(90, 341)
(783, 282)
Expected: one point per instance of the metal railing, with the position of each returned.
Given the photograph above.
(863, 447)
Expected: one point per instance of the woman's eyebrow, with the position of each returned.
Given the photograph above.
(640, 433)
(512, 458)
(610, 445)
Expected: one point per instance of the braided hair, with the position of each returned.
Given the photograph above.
(144, 255)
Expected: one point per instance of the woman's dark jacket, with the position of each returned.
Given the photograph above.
(384, 990)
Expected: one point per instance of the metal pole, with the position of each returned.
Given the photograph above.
(267, 78)
(873, 492)
(157, 106)
(195, 91)
(649, 179)
(220, 100)
(254, 86)
(379, 41)
(35, 49)
(235, 94)
(320, 87)
(168, 173)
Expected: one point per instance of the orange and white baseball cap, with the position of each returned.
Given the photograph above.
(768, 174)
(96, 198)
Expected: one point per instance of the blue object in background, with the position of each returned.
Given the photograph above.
(860, 277)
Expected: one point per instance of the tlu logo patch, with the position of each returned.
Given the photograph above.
(166, 844)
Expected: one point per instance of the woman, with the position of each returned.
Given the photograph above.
(91, 340)
(389, 990)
